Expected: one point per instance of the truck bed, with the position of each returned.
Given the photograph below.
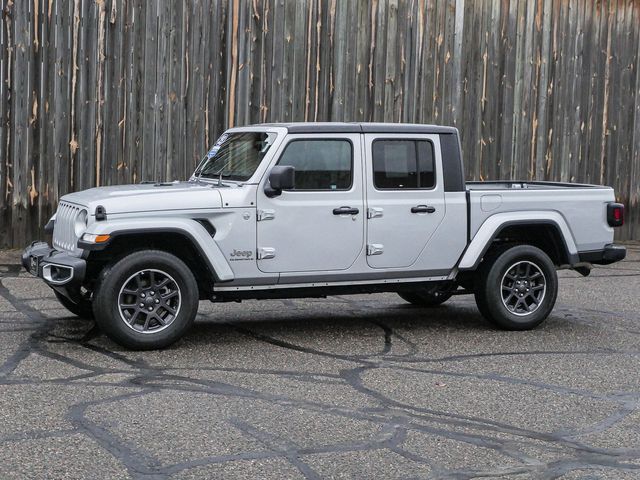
(583, 207)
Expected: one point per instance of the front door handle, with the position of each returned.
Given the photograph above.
(423, 209)
(346, 211)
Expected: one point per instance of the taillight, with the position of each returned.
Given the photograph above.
(615, 214)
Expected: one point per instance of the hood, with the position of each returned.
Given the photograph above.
(148, 197)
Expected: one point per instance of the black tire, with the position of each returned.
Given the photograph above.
(428, 297)
(516, 287)
(82, 309)
(167, 311)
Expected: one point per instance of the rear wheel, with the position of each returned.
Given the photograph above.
(82, 308)
(428, 297)
(516, 287)
(147, 300)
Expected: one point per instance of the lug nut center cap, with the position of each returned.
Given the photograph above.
(148, 302)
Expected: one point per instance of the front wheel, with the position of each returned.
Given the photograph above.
(147, 300)
(516, 287)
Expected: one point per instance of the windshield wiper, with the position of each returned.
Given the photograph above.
(219, 173)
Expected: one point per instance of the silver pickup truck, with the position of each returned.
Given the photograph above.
(316, 209)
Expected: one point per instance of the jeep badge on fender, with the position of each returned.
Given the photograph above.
(241, 254)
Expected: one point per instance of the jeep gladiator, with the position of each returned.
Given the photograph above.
(316, 209)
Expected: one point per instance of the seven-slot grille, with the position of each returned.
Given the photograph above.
(64, 232)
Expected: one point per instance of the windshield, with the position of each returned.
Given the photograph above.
(235, 156)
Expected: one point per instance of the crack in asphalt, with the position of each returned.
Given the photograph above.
(544, 453)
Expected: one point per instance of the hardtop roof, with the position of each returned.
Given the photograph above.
(355, 127)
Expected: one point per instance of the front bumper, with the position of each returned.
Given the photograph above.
(609, 254)
(56, 268)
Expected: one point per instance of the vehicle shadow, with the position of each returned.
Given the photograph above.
(305, 322)
(316, 321)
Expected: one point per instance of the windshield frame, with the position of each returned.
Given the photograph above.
(279, 133)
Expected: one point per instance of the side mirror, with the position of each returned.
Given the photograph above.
(280, 178)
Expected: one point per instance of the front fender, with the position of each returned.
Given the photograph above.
(492, 226)
(191, 229)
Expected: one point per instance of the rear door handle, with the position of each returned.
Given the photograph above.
(346, 211)
(422, 209)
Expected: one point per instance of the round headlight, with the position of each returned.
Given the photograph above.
(80, 224)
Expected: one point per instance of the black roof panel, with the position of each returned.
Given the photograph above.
(343, 127)
(328, 127)
(405, 128)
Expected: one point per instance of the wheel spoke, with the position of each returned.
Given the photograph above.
(170, 295)
(169, 309)
(134, 317)
(511, 295)
(147, 320)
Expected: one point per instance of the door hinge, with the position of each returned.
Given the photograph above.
(265, 253)
(375, 249)
(266, 215)
(373, 212)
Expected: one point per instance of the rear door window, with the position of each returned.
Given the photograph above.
(403, 164)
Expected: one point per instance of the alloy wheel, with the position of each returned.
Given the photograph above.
(149, 301)
(523, 288)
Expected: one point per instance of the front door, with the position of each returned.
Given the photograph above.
(405, 199)
(319, 225)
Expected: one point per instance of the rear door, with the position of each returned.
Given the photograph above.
(319, 225)
(405, 198)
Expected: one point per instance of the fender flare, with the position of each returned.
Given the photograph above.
(191, 229)
(493, 225)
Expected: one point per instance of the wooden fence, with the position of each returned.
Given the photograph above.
(99, 92)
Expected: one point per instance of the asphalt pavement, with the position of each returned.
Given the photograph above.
(346, 387)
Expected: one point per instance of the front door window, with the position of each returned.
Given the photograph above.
(320, 164)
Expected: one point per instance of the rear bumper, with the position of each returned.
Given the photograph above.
(609, 254)
(56, 268)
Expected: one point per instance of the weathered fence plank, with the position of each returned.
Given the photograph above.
(118, 91)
